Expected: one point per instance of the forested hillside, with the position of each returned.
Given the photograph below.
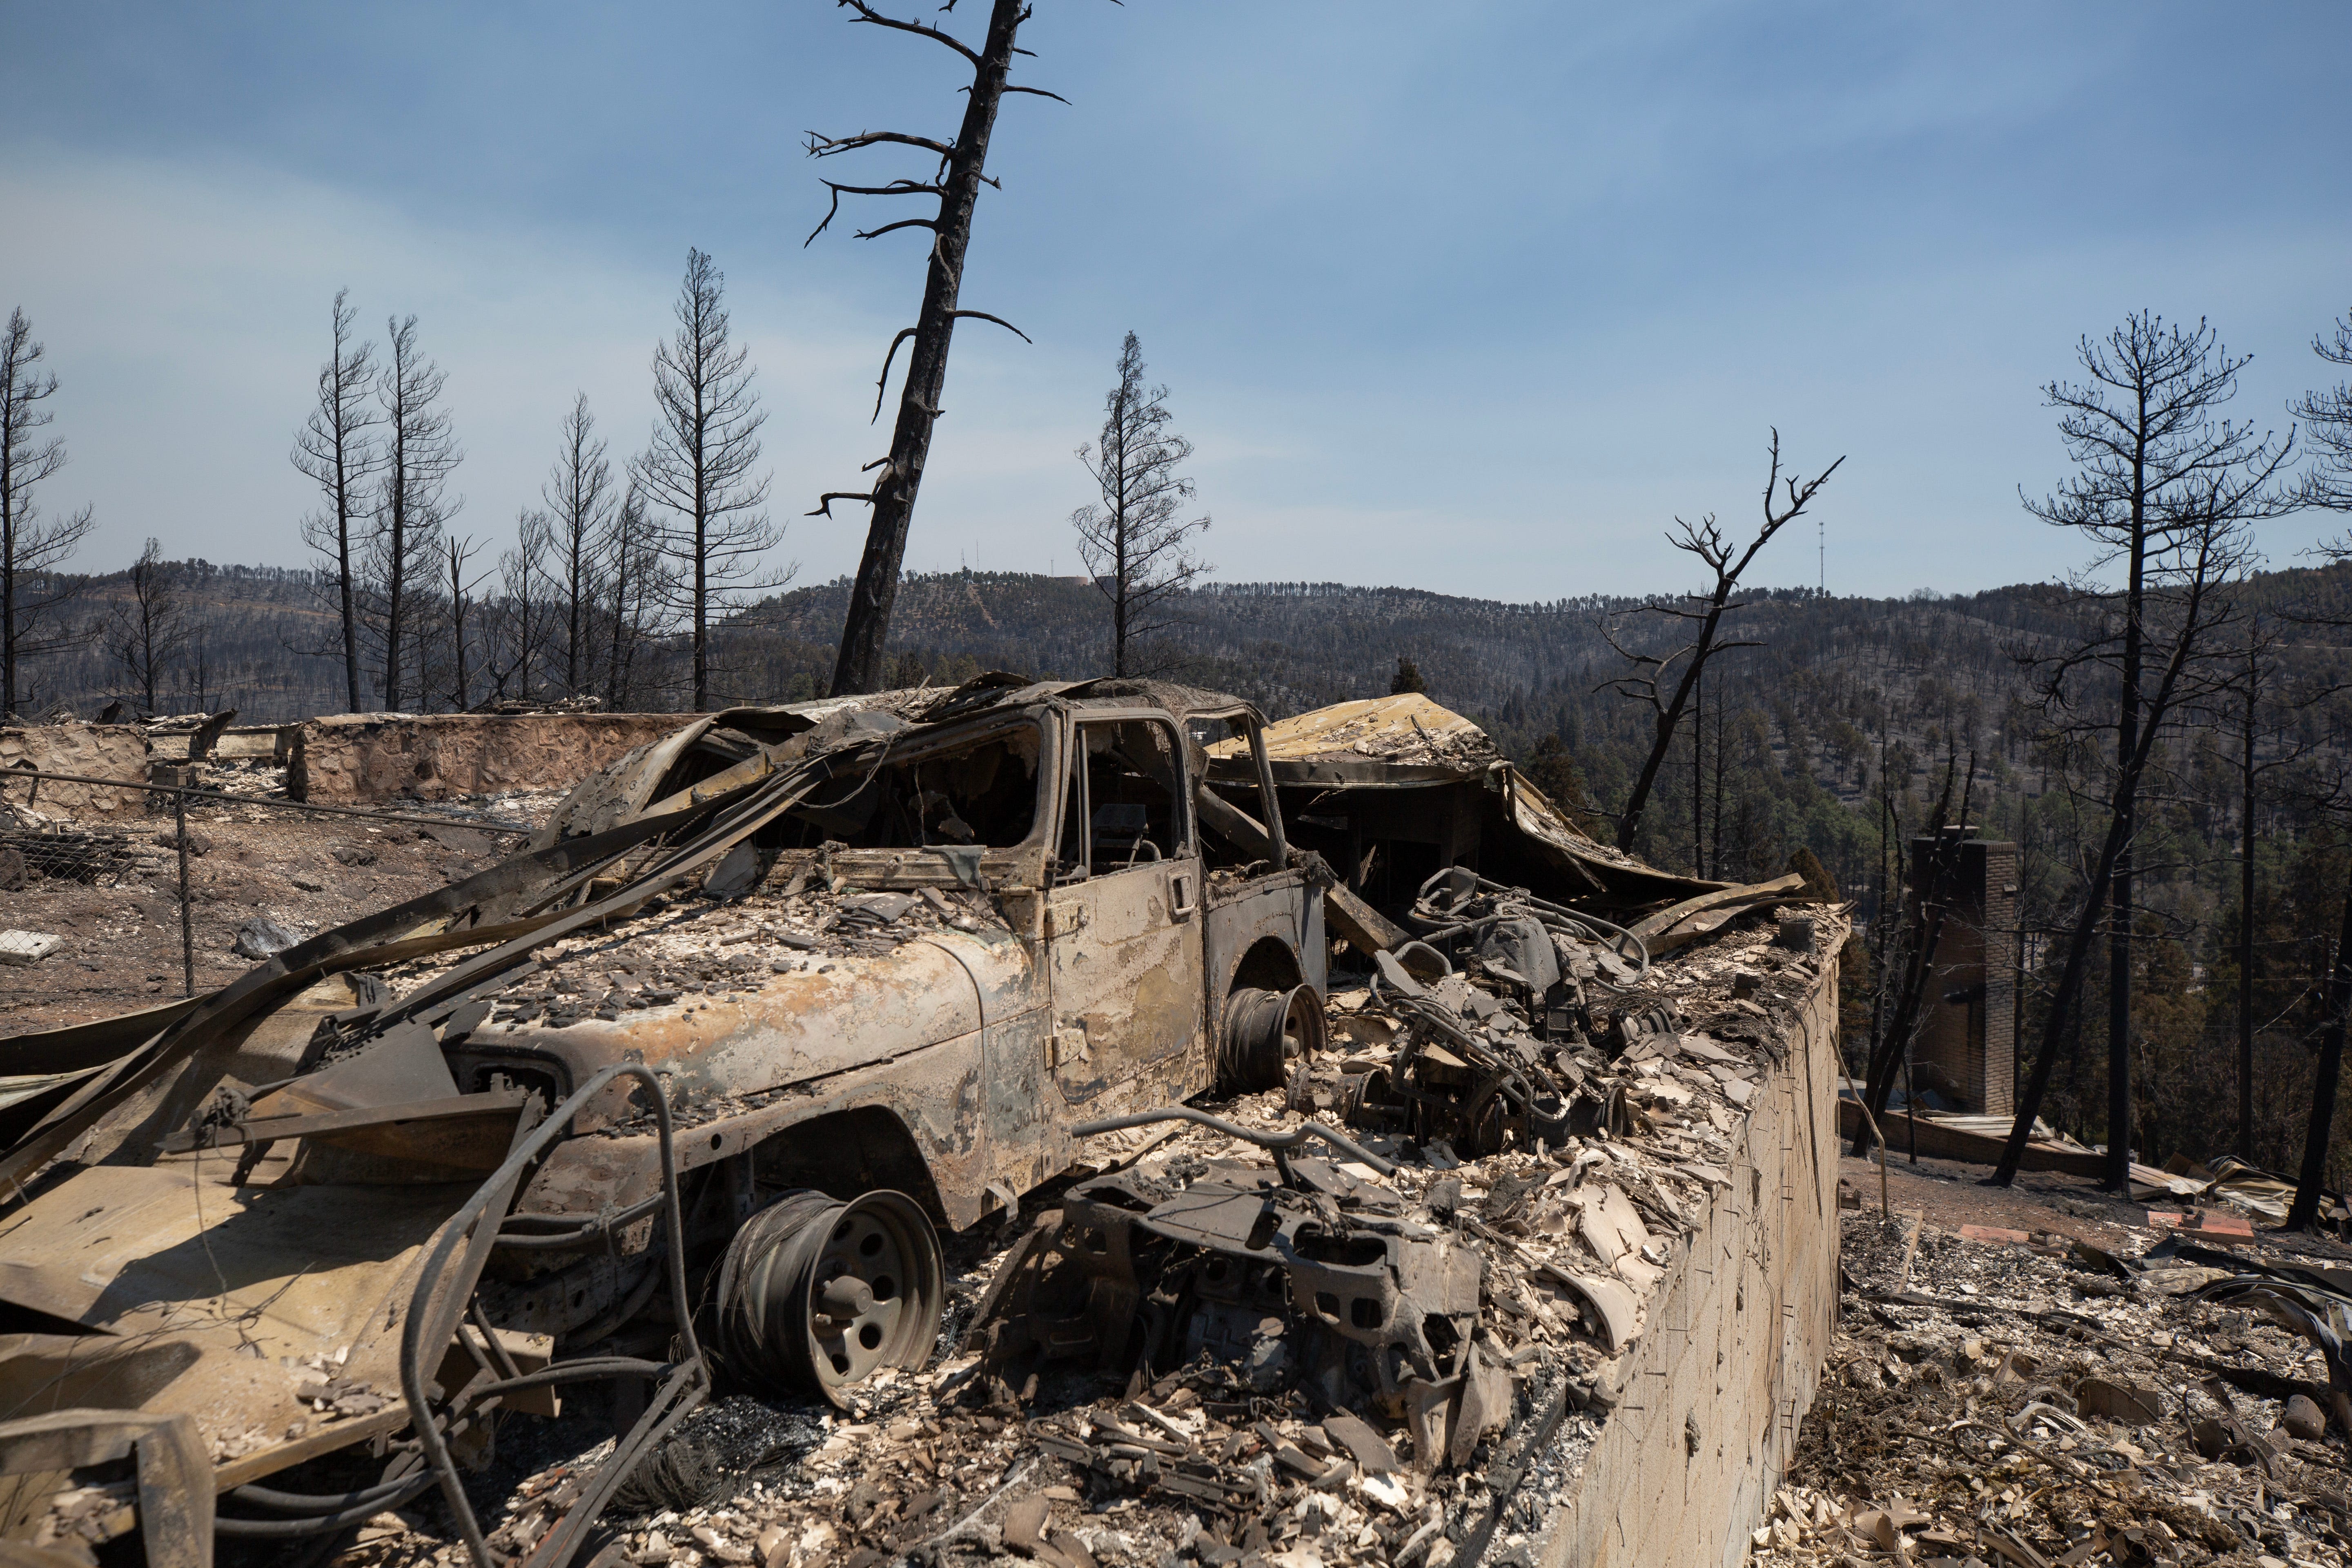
(1839, 731)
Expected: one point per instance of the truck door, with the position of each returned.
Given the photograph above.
(1124, 921)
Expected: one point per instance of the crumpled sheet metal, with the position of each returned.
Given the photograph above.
(210, 1300)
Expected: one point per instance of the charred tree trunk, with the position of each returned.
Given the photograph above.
(858, 666)
(2119, 925)
(2305, 1211)
(2246, 774)
(2218, 553)
(1728, 561)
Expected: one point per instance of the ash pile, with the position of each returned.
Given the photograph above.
(2020, 1397)
(1375, 1311)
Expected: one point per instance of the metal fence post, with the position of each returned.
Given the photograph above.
(187, 922)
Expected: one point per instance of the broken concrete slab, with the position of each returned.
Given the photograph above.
(27, 946)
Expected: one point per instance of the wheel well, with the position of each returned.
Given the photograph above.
(1269, 965)
(845, 1153)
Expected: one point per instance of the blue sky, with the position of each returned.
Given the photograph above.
(1474, 297)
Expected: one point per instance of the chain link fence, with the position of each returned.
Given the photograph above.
(32, 848)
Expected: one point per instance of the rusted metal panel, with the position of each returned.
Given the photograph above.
(209, 1297)
(1126, 965)
(1281, 908)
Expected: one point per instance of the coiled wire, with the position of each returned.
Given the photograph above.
(1436, 925)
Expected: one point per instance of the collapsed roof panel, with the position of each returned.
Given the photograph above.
(1391, 789)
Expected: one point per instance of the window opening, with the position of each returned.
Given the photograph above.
(985, 794)
(1133, 813)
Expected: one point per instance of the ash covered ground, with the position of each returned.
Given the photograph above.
(2053, 1386)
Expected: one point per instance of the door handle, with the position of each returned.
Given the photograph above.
(1179, 898)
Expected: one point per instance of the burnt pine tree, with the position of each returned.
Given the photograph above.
(334, 451)
(954, 182)
(419, 454)
(637, 586)
(2326, 418)
(463, 609)
(2156, 469)
(523, 593)
(1649, 682)
(31, 549)
(2318, 1135)
(697, 470)
(148, 631)
(580, 503)
(2199, 546)
(1133, 540)
(2265, 741)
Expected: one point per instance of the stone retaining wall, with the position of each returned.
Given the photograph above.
(1709, 1397)
(96, 750)
(357, 758)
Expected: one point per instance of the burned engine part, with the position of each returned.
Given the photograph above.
(1449, 1078)
(1303, 1276)
(816, 1295)
(1456, 902)
(1264, 1031)
(1518, 949)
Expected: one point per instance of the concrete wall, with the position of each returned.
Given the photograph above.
(1709, 1397)
(357, 758)
(97, 751)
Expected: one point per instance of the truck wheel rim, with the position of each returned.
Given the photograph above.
(816, 1295)
(873, 1296)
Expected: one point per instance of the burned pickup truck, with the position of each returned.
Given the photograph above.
(692, 1081)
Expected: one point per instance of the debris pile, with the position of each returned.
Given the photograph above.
(33, 843)
(668, 952)
(1250, 1334)
(2026, 1400)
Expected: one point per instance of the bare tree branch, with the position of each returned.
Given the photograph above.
(822, 146)
(1727, 561)
(868, 14)
(895, 188)
(931, 223)
(824, 502)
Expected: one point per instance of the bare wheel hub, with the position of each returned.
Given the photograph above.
(816, 1295)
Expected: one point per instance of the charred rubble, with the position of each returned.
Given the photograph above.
(1998, 1396)
(1323, 1321)
(912, 1129)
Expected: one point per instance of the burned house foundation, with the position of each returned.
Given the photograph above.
(1707, 1407)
